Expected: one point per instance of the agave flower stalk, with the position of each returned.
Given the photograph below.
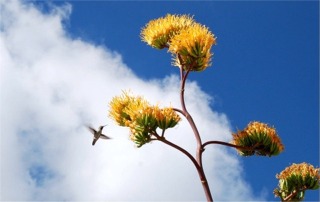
(190, 45)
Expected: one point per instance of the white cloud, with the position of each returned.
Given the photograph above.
(51, 85)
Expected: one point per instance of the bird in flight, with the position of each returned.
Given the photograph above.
(97, 134)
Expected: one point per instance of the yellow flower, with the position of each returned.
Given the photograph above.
(295, 179)
(302, 169)
(142, 118)
(157, 33)
(123, 108)
(192, 47)
(259, 138)
(166, 117)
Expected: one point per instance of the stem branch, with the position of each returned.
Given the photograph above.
(293, 194)
(164, 140)
(226, 144)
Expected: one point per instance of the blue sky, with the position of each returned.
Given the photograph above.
(265, 68)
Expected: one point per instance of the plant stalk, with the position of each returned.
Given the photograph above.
(184, 111)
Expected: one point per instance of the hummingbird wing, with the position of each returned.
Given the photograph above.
(93, 131)
(102, 136)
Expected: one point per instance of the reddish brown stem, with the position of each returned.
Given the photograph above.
(227, 144)
(184, 111)
(293, 194)
(164, 140)
(179, 110)
(195, 163)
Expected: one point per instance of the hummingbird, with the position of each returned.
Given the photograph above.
(97, 134)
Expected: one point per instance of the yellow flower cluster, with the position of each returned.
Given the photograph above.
(157, 33)
(258, 138)
(295, 179)
(121, 108)
(142, 118)
(193, 45)
(303, 169)
(189, 41)
(166, 117)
